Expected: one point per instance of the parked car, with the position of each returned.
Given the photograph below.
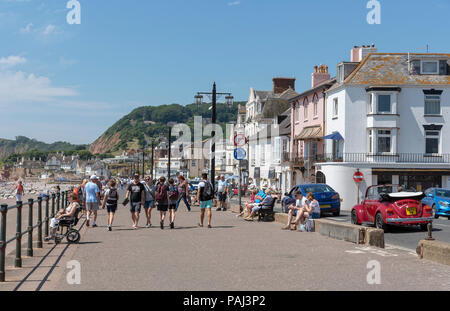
(194, 184)
(439, 200)
(329, 200)
(383, 206)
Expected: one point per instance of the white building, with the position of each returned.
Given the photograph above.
(97, 168)
(261, 126)
(392, 112)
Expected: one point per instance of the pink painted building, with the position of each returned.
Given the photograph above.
(308, 126)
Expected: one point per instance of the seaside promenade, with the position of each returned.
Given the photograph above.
(233, 255)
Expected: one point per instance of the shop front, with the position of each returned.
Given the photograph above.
(414, 179)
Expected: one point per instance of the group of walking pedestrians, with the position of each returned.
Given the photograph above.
(164, 195)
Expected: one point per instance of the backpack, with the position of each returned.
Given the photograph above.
(112, 197)
(78, 192)
(207, 192)
(173, 192)
(309, 226)
(161, 194)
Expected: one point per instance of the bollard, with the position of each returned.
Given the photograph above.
(18, 259)
(39, 237)
(30, 228)
(4, 211)
(63, 200)
(58, 199)
(430, 231)
(46, 215)
(53, 205)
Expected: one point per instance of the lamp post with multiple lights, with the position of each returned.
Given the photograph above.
(199, 100)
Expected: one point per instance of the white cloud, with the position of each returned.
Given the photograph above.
(234, 3)
(50, 29)
(22, 88)
(27, 28)
(11, 61)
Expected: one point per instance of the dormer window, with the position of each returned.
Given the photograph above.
(429, 67)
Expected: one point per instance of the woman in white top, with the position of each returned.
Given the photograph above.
(67, 212)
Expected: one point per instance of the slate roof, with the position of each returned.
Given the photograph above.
(275, 104)
(285, 124)
(392, 69)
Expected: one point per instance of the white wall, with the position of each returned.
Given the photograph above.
(340, 178)
(335, 125)
(352, 120)
(411, 110)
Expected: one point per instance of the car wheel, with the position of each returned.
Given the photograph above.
(337, 213)
(355, 218)
(436, 216)
(379, 222)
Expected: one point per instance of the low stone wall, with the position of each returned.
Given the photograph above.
(436, 251)
(344, 231)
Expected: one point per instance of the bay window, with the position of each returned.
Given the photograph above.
(384, 104)
(384, 141)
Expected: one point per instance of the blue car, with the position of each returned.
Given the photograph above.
(329, 200)
(439, 200)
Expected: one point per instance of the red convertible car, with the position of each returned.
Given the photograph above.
(384, 206)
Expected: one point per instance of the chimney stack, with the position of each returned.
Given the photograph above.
(282, 84)
(320, 75)
(358, 53)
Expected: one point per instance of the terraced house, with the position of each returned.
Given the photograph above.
(308, 127)
(389, 114)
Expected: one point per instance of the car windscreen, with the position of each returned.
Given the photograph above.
(443, 193)
(317, 188)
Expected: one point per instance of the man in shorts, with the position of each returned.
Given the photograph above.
(205, 196)
(136, 195)
(222, 190)
(92, 200)
(294, 209)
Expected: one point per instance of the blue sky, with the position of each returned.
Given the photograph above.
(71, 82)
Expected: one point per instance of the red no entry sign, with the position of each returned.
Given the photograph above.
(358, 177)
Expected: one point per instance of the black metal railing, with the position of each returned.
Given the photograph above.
(372, 158)
(50, 204)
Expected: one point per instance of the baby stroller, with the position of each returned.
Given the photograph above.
(72, 235)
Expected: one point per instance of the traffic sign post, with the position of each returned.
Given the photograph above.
(358, 177)
(240, 154)
(240, 140)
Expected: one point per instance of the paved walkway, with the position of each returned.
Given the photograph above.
(234, 255)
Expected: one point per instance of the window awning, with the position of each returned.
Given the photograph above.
(313, 132)
(334, 136)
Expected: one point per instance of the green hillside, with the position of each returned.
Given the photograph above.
(151, 122)
(24, 144)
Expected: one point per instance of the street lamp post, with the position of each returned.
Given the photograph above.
(153, 158)
(170, 124)
(143, 163)
(229, 100)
